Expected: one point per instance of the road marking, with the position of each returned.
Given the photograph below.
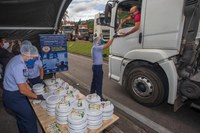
(158, 128)
(155, 126)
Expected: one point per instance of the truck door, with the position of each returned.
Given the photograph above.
(123, 45)
(163, 24)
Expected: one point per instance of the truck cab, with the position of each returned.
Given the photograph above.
(69, 30)
(160, 60)
(83, 33)
(101, 29)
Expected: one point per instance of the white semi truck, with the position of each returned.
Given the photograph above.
(69, 30)
(101, 29)
(161, 60)
(83, 32)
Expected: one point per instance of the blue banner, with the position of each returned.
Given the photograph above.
(54, 53)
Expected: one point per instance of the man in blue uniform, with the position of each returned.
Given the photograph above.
(97, 68)
(16, 90)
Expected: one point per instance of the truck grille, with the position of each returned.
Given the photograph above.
(106, 34)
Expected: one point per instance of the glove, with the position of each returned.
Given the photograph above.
(116, 35)
(40, 97)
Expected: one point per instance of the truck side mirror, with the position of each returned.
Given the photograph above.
(103, 22)
(108, 10)
(99, 22)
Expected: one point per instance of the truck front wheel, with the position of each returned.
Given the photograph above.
(146, 86)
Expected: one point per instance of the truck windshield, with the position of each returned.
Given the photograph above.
(83, 30)
(68, 28)
(101, 20)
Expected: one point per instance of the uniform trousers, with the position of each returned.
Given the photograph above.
(19, 105)
(97, 80)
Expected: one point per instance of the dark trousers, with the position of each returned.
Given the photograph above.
(19, 105)
(97, 80)
(35, 81)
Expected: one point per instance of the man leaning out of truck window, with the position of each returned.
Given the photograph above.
(135, 14)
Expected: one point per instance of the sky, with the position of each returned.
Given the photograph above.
(85, 9)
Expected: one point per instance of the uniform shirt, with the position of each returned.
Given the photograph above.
(137, 17)
(35, 72)
(97, 54)
(16, 73)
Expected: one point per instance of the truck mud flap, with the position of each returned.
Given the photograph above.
(178, 103)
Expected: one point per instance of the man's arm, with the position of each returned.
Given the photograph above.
(40, 67)
(108, 44)
(11, 44)
(41, 72)
(23, 89)
(27, 84)
(124, 21)
(134, 29)
(20, 79)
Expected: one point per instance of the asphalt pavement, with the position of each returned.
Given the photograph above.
(160, 119)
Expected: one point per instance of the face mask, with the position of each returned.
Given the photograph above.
(102, 41)
(30, 63)
(6, 45)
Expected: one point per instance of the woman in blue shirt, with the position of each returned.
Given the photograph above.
(35, 71)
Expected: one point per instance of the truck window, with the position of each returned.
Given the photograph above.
(123, 11)
(101, 20)
(83, 30)
(67, 28)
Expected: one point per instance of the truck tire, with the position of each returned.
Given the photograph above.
(146, 86)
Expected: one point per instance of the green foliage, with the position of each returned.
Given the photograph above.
(82, 48)
(122, 15)
(91, 24)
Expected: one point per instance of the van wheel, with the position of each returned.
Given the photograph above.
(146, 86)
